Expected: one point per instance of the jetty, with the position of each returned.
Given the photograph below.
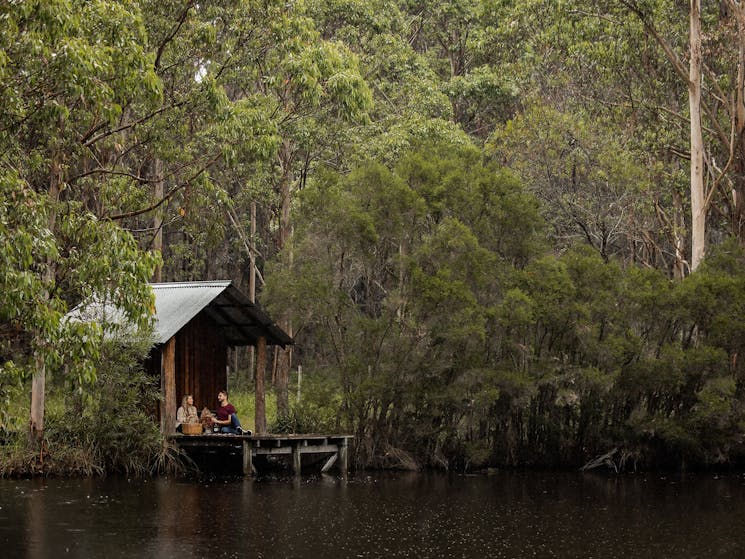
(324, 452)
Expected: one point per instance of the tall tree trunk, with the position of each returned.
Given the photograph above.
(738, 192)
(285, 230)
(698, 198)
(38, 382)
(402, 254)
(252, 285)
(698, 201)
(252, 256)
(678, 224)
(36, 431)
(157, 170)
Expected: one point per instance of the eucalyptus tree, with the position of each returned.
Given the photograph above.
(626, 61)
(67, 70)
(317, 91)
(398, 274)
(174, 158)
(716, 105)
(253, 95)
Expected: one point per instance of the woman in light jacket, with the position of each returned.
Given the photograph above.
(187, 413)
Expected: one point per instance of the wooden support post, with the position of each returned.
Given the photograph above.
(299, 381)
(330, 462)
(168, 387)
(296, 458)
(343, 456)
(247, 458)
(260, 406)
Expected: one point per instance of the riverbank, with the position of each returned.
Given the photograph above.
(85, 444)
(77, 445)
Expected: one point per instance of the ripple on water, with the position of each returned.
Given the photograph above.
(399, 515)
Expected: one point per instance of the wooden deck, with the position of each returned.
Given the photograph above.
(333, 449)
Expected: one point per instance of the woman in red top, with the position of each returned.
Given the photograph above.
(227, 417)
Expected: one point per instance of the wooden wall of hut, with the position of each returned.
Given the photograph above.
(201, 362)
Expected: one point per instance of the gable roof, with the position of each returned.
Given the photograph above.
(241, 321)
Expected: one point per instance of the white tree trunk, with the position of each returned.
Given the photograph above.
(38, 382)
(738, 190)
(698, 201)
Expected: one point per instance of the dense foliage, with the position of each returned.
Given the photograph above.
(106, 428)
(427, 296)
(473, 216)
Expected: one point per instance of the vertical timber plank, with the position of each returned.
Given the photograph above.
(343, 456)
(260, 406)
(247, 458)
(168, 387)
(297, 463)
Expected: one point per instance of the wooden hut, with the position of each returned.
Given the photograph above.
(196, 323)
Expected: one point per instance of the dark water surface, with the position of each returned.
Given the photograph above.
(379, 515)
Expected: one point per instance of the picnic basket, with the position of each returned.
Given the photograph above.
(191, 428)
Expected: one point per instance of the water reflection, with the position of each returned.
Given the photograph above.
(394, 515)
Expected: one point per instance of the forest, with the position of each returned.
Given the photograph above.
(501, 233)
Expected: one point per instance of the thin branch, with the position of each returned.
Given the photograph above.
(719, 95)
(152, 229)
(649, 26)
(169, 38)
(91, 141)
(596, 16)
(718, 180)
(167, 196)
(104, 171)
(139, 178)
(247, 244)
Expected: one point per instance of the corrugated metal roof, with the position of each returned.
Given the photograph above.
(177, 303)
(241, 322)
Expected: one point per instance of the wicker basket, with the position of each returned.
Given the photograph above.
(191, 428)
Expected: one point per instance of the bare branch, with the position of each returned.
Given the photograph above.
(169, 38)
(168, 194)
(652, 30)
(96, 138)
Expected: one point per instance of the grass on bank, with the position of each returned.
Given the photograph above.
(98, 441)
(245, 404)
(109, 427)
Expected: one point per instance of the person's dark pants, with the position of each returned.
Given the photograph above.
(234, 425)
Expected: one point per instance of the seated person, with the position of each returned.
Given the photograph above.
(226, 417)
(187, 413)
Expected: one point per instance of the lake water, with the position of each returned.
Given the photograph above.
(377, 515)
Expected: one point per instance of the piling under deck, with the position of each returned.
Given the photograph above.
(334, 448)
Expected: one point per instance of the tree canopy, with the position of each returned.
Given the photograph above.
(477, 219)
